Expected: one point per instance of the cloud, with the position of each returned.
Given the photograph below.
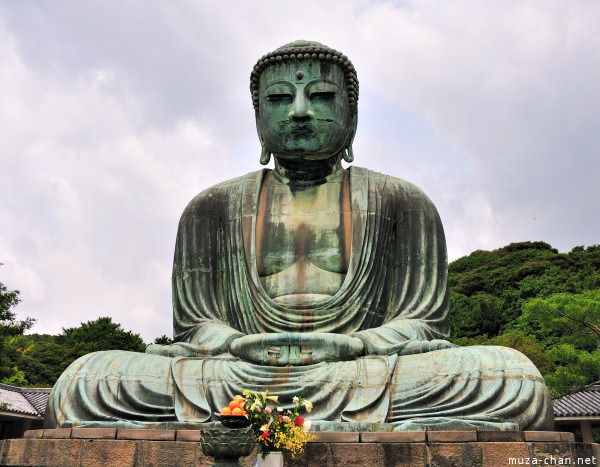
(115, 115)
(91, 198)
(511, 91)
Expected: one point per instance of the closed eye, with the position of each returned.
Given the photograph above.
(322, 95)
(279, 98)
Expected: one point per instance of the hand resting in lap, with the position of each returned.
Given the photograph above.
(282, 349)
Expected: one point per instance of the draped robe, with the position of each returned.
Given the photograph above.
(395, 292)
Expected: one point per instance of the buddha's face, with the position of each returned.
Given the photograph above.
(304, 110)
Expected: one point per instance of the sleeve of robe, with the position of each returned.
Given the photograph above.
(415, 273)
(200, 308)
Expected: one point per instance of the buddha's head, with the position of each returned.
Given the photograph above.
(305, 97)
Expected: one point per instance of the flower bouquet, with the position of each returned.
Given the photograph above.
(277, 429)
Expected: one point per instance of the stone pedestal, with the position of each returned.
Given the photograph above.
(108, 447)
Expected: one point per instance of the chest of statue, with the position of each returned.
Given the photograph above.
(303, 239)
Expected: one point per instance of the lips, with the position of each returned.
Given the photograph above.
(300, 130)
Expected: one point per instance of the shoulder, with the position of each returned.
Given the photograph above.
(218, 197)
(395, 190)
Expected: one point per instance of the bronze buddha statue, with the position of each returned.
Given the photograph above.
(309, 279)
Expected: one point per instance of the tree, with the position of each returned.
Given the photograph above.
(100, 334)
(10, 327)
(569, 324)
(570, 318)
(163, 340)
(530, 297)
(476, 315)
(44, 361)
(489, 288)
(574, 369)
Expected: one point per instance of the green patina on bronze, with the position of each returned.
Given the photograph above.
(309, 279)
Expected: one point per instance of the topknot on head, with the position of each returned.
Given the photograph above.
(299, 51)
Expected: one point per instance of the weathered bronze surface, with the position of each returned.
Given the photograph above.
(312, 279)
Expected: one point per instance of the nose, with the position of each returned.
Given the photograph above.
(300, 108)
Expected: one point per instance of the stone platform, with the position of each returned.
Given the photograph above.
(110, 447)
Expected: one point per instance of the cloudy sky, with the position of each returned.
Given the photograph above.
(113, 115)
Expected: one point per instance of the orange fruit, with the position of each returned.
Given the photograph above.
(236, 411)
(225, 411)
(237, 397)
(234, 405)
(244, 412)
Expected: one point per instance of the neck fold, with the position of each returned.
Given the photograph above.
(307, 172)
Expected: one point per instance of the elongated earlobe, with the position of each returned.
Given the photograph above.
(348, 154)
(265, 156)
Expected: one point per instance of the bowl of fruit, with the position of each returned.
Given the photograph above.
(234, 415)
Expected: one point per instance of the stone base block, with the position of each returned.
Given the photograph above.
(117, 448)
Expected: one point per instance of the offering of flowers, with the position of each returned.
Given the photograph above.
(277, 429)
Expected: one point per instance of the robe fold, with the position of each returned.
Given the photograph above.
(395, 291)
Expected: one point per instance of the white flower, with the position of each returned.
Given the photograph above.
(308, 406)
(307, 425)
(279, 409)
(295, 399)
(264, 428)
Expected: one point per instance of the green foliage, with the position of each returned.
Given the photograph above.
(530, 297)
(163, 340)
(565, 317)
(8, 300)
(100, 334)
(44, 361)
(569, 325)
(15, 378)
(512, 275)
(38, 360)
(581, 370)
(476, 314)
(10, 328)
